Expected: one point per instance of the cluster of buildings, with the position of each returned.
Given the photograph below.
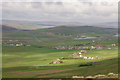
(77, 47)
(83, 47)
(114, 44)
(90, 57)
(82, 51)
(58, 61)
(84, 57)
(16, 43)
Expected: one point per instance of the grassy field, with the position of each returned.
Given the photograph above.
(32, 61)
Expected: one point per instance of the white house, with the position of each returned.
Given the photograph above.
(80, 53)
(81, 56)
(19, 44)
(85, 57)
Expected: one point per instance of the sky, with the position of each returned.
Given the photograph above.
(82, 11)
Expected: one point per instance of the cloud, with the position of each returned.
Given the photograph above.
(88, 11)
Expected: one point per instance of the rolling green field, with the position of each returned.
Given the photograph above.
(32, 61)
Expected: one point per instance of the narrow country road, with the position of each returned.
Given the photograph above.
(38, 40)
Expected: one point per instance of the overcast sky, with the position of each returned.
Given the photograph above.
(83, 11)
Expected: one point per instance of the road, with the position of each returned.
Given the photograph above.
(37, 39)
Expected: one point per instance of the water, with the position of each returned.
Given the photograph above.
(116, 35)
(86, 38)
(47, 25)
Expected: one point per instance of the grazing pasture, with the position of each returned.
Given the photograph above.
(34, 61)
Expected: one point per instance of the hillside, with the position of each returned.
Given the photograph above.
(62, 31)
(37, 52)
(62, 35)
(8, 28)
(33, 25)
(25, 25)
(79, 31)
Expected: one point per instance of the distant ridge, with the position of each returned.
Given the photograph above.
(8, 28)
(33, 25)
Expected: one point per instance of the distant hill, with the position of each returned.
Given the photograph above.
(33, 25)
(26, 25)
(8, 28)
(59, 35)
(79, 30)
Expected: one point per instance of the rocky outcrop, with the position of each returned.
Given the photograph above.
(110, 75)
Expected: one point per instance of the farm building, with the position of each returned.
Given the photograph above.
(85, 47)
(56, 62)
(75, 54)
(80, 53)
(99, 47)
(91, 57)
(113, 44)
(19, 44)
(58, 59)
(92, 47)
(83, 51)
(63, 47)
(81, 56)
(109, 48)
(93, 40)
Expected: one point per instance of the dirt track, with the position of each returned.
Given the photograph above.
(38, 72)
